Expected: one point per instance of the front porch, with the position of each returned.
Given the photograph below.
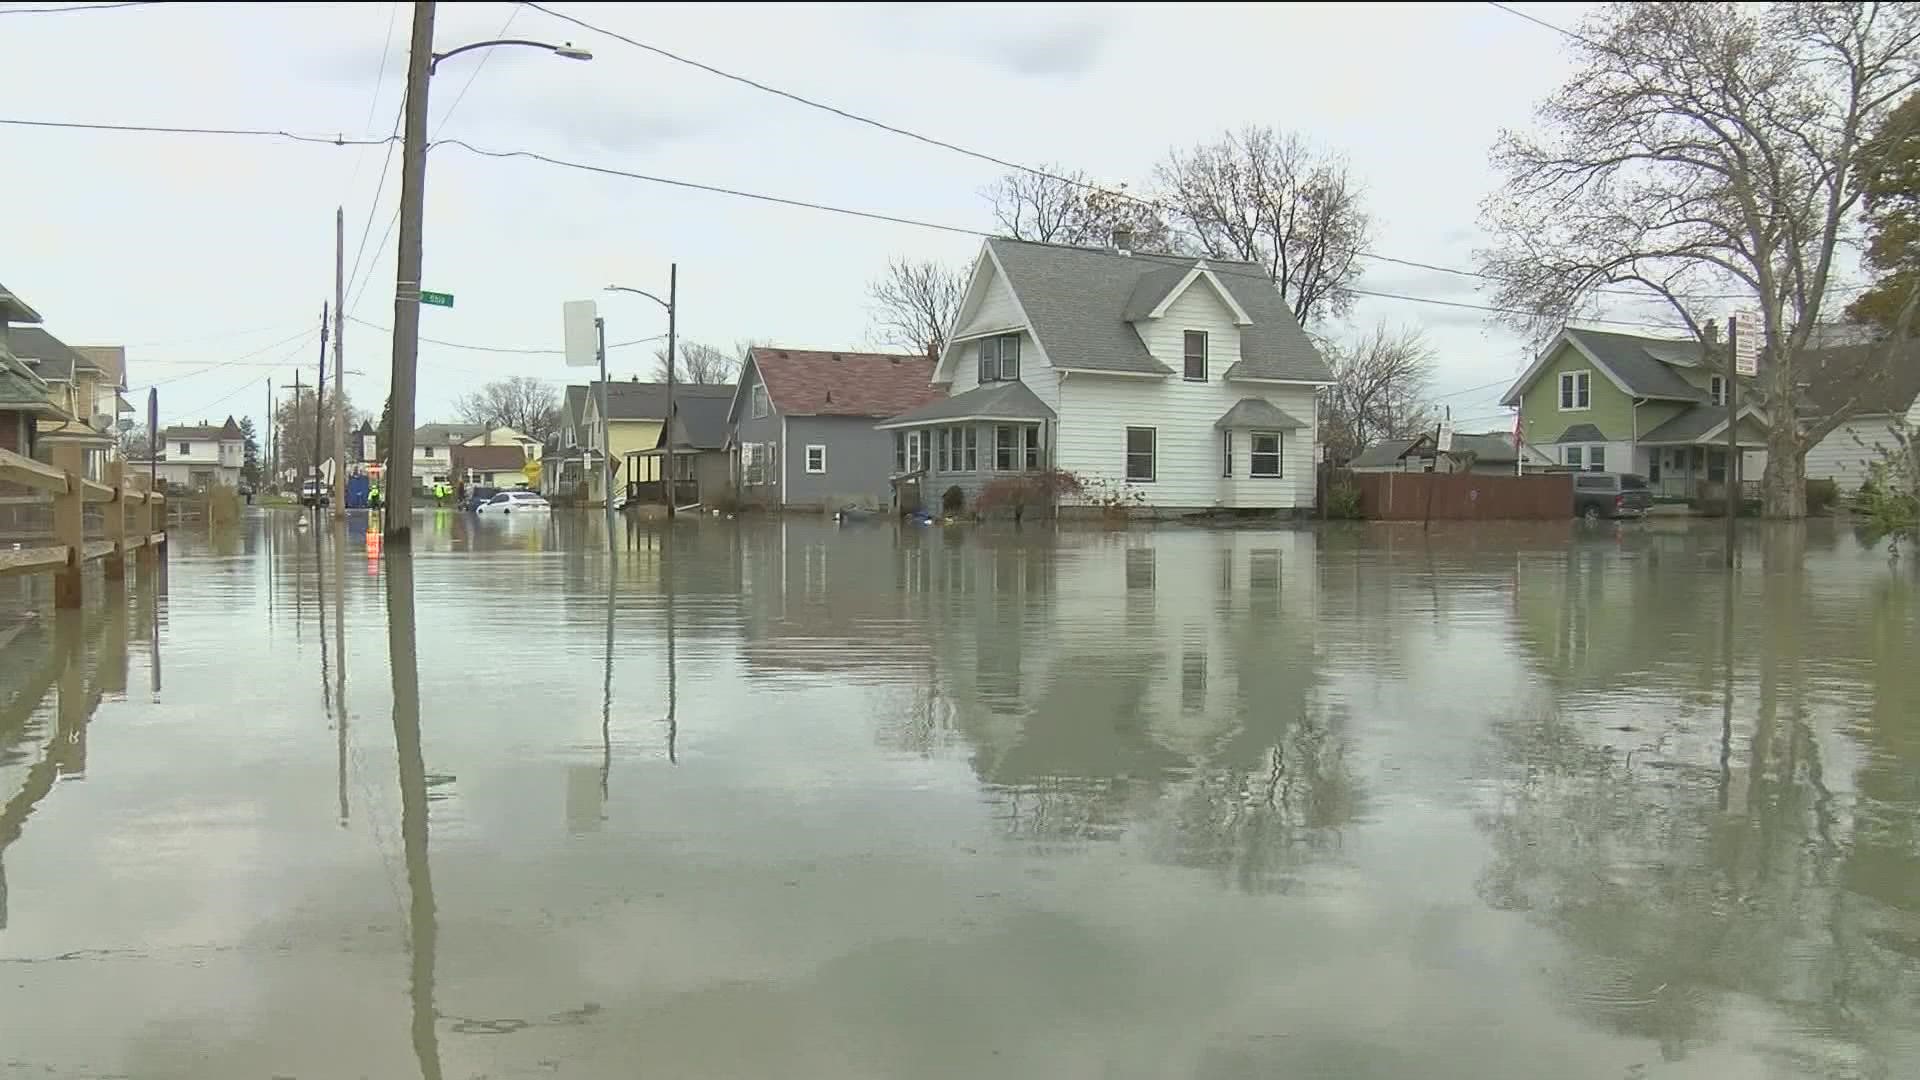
(1686, 457)
(967, 442)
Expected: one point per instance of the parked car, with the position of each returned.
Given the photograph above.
(1599, 495)
(477, 496)
(314, 493)
(516, 502)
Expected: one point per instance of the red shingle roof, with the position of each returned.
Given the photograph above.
(487, 458)
(805, 382)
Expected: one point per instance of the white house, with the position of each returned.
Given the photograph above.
(200, 455)
(1881, 399)
(1184, 383)
(433, 446)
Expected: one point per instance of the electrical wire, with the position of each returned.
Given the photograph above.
(76, 7)
(514, 349)
(299, 340)
(604, 170)
(1587, 41)
(1006, 163)
(161, 129)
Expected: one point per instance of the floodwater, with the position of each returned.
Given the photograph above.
(785, 799)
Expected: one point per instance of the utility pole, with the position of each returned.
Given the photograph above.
(272, 475)
(293, 428)
(406, 293)
(319, 399)
(606, 429)
(339, 363)
(1733, 450)
(672, 485)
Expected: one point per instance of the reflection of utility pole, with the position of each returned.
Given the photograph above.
(606, 701)
(340, 656)
(673, 696)
(422, 919)
(339, 363)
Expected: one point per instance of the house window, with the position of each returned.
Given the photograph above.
(759, 400)
(1576, 390)
(1226, 453)
(753, 466)
(1140, 454)
(943, 450)
(683, 468)
(1717, 390)
(1006, 447)
(1033, 447)
(1266, 454)
(970, 435)
(1597, 458)
(899, 452)
(426, 451)
(1572, 456)
(1000, 358)
(186, 449)
(1196, 352)
(816, 458)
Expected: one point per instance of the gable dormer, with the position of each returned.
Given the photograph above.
(1188, 320)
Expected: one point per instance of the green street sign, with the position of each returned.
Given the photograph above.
(437, 299)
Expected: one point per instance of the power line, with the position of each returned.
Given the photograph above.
(485, 55)
(514, 349)
(1587, 41)
(299, 341)
(1004, 162)
(76, 7)
(159, 129)
(604, 170)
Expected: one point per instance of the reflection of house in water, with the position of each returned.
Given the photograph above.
(817, 599)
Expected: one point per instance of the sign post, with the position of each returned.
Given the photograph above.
(586, 345)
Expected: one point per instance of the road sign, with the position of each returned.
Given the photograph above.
(437, 299)
(582, 335)
(1748, 330)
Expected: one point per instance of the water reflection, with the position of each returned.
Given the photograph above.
(423, 931)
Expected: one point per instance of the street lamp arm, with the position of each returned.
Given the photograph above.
(567, 50)
(640, 292)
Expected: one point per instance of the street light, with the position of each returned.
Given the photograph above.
(671, 303)
(421, 63)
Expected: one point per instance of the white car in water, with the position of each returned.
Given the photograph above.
(515, 502)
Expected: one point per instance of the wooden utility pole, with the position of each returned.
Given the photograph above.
(273, 475)
(319, 399)
(1732, 500)
(339, 364)
(672, 485)
(406, 293)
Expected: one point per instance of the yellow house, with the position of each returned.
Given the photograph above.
(635, 412)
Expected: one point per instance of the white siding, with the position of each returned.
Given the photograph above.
(1199, 308)
(997, 309)
(1848, 450)
(1091, 439)
(1035, 370)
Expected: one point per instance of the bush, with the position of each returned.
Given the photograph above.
(1343, 502)
(1022, 492)
(953, 501)
(1821, 495)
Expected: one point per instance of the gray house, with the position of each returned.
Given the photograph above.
(803, 425)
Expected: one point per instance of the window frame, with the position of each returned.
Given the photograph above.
(760, 403)
(1596, 457)
(1717, 390)
(186, 449)
(1031, 448)
(1006, 448)
(973, 447)
(1226, 453)
(822, 470)
(1152, 453)
(899, 453)
(1188, 356)
(1576, 391)
(1006, 355)
(1279, 455)
(1574, 456)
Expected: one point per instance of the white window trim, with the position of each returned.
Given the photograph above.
(1126, 452)
(1717, 390)
(761, 402)
(1570, 448)
(1205, 360)
(1560, 396)
(1279, 455)
(811, 447)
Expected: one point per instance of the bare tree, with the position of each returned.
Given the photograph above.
(697, 363)
(295, 427)
(914, 304)
(1272, 198)
(1054, 205)
(1379, 391)
(521, 402)
(1706, 146)
(134, 442)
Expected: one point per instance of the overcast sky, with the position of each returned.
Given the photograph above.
(203, 250)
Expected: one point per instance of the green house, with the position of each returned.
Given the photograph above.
(1606, 402)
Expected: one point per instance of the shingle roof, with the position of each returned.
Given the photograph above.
(445, 434)
(1078, 300)
(574, 405)
(14, 309)
(1384, 452)
(1644, 364)
(703, 423)
(994, 401)
(1150, 290)
(110, 359)
(55, 360)
(812, 382)
(1256, 413)
(1581, 433)
(1494, 448)
(203, 430)
(23, 391)
(648, 401)
(1864, 377)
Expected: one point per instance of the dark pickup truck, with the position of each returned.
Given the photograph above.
(1599, 495)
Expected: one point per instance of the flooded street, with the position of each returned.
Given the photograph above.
(797, 800)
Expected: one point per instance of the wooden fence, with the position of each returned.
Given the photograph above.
(1396, 496)
(132, 519)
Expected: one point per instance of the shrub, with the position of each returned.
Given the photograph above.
(1019, 493)
(953, 501)
(1821, 495)
(1343, 502)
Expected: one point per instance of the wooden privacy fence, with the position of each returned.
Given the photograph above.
(1394, 496)
(132, 519)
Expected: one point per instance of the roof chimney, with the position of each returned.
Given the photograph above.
(1123, 238)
